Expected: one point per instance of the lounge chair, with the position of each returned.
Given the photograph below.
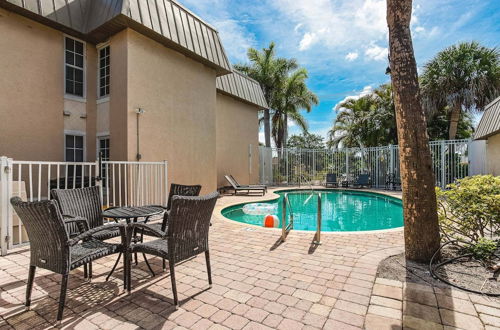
(363, 180)
(246, 188)
(186, 235)
(331, 180)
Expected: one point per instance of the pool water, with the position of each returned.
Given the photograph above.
(342, 210)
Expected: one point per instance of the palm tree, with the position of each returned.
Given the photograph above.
(290, 98)
(421, 231)
(270, 71)
(350, 127)
(463, 77)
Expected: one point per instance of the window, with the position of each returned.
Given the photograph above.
(74, 149)
(74, 65)
(104, 148)
(104, 71)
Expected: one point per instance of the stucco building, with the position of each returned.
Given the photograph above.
(134, 80)
(489, 130)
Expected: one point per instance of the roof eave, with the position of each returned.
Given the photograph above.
(239, 99)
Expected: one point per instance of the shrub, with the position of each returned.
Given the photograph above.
(470, 209)
(483, 249)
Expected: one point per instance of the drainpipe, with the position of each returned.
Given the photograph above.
(139, 112)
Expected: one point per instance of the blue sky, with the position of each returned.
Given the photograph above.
(343, 43)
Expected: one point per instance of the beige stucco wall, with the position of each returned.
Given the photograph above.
(31, 89)
(237, 141)
(178, 97)
(493, 154)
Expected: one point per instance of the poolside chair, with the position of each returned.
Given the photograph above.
(51, 247)
(245, 189)
(249, 185)
(186, 235)
(175, 190)
(84, 203)
(331, 180)
(363, 180)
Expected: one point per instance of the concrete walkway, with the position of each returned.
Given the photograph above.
(258, 284)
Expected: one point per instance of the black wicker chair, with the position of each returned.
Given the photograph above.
(176, 190)
(51, 247)
(85, 203)
(186, 235)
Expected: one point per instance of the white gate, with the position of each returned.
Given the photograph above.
(122, 183)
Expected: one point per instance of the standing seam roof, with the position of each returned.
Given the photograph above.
(242, 87)
(165, 18)
(490, 122)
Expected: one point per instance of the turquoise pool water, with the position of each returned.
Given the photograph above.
(342, 210)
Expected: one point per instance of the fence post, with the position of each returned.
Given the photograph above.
(346, 164)
(443, 165)
(5, 207)
(165, 169)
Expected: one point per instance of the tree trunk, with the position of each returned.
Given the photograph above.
(421, 229)
(267, 128)
(285, 132)
(454, 119)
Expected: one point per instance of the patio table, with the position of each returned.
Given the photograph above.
(132, 214)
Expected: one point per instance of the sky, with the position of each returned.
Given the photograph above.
(343, 43)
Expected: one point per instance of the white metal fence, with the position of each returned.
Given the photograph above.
(122, 183)
(306, 166)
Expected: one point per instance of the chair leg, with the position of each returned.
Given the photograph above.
(174, 286)
(85, 271)
(90, 272)
(29, 287)
(114, 266)
(62, 296)
(128, 262)
(164, 265)
(209, 269)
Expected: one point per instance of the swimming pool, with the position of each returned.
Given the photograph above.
(342, 210)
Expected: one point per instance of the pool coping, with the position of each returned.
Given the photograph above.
(275, 196)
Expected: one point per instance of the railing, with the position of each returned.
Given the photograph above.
(285, 228)
(286, 166)
(317, 237)
(122, 184)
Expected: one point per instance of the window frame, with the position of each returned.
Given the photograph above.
(84, 87)
(76, 133)
(105, 136)
(100, 97)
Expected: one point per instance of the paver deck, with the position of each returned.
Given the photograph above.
(258, 284)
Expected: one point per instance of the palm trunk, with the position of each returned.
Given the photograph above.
(267, 128)
(285, 131)
(421, 229)
(454, 119)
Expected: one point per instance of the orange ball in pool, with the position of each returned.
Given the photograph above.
(270, 221)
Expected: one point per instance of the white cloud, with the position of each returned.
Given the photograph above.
(307, 41)
(367, 90)
(351, 56)
(235, 38)
(376, 52)
(419, 29)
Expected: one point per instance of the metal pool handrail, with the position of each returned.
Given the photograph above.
(317, 238)
(284, 227)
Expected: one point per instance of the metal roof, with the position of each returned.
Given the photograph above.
(243, 88)
(165, 21)
(490, 122)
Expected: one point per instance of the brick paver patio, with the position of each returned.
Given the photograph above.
(258, 284)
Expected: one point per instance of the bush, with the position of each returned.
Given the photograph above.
(470, 209)
(483, 249)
